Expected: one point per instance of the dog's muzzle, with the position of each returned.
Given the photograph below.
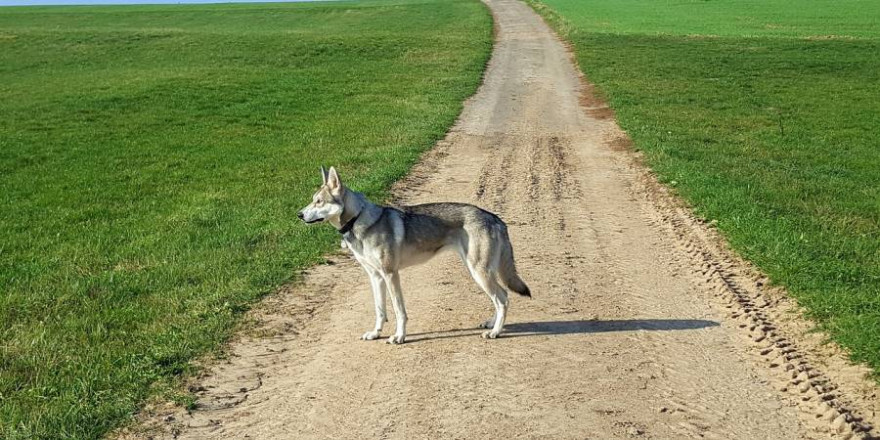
(303, 218)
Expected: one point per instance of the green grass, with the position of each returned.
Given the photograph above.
(765, 116)
(152, 159)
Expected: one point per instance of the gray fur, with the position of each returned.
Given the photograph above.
(385, 240)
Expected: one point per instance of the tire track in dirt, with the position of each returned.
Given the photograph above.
(832, 395)
(642, 324)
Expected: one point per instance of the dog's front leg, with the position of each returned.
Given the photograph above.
(392, 282)
(378, 284)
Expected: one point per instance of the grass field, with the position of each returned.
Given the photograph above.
(765, 115)
(152, 159)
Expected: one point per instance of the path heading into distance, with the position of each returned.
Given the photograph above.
(641, 325)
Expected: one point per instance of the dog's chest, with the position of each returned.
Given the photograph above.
(357, 248)
(352, 244)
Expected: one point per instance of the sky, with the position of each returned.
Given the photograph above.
(126, 2)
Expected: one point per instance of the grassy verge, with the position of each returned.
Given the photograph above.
(764, 115)
(152, 159)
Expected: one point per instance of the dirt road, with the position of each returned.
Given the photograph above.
(641, 325)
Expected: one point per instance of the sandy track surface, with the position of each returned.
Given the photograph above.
(641, 325)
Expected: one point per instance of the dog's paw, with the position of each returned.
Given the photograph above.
(396, 339)
(491, 334)
(369, 336)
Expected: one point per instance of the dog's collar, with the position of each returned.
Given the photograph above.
(346, 228)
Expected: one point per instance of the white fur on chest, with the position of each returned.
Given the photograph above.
(361, 253)
(381, 257)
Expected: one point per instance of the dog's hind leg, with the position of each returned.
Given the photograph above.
(481, 255)
(499, 300)
(463, 253)
(378, 284)
(490, 323)
(501, 306)
(392, 282)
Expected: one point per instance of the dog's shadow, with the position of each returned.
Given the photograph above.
(545, 328)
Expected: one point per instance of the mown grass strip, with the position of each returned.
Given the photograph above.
(152, 159)
(764, 116)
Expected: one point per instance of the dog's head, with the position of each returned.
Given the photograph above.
(327, 203)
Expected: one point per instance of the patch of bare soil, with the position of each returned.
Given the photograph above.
(642, 325)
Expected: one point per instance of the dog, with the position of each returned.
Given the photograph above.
(385, 240)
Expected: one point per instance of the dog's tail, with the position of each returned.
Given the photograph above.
(508, 276)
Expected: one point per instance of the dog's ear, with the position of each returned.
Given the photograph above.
(333, 181)
(323, 175)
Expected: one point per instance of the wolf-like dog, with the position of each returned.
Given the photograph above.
(385, 240)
